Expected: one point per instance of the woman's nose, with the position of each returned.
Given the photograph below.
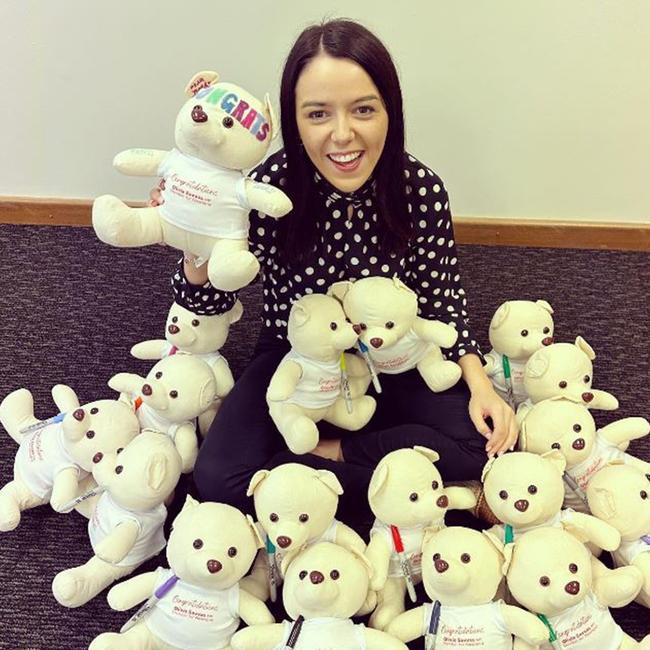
(342, 131)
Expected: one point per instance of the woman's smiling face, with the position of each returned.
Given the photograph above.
(341, 120)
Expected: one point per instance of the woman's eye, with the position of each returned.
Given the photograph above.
(365, 110)
(316, 115)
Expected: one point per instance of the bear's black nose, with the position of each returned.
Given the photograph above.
(284, 541)
(316, 577)
(173, 329)
(376, 342)
(522, 505)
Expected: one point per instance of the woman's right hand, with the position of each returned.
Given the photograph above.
(155, 195)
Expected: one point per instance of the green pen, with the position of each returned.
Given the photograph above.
(273, 580)
(507, 375)
(552, 636)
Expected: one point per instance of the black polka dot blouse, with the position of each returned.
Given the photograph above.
(347, 248)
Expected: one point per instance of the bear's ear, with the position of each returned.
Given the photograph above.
(430, 454)
(339, 290)
(330, 480)
(556, 459)
(523, 436)
(495, 541)
(429, 533)
(259, 542)
(586, 348)
(270, 116)
(236, 312)
(156, 471)
(602, 500)
(487, 467)
(544, 305)
(508, 552)
(398, 284)
(500, 316)
(201, 80)
(378, 480)
(537, 365)
(258, 477)
(299, 314)
(363, 559)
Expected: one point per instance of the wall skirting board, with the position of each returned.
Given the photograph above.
(488, 231)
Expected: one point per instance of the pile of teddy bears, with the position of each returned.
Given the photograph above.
(534, 579)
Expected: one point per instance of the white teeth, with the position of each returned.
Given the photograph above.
(345, 158)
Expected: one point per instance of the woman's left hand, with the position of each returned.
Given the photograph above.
(485, 403)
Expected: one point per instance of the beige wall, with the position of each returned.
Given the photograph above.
(527, 108)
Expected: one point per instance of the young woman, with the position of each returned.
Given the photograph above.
(362, 207)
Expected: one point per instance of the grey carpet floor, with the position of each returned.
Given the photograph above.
(70, 309)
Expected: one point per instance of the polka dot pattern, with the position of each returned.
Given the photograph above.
(347, 248)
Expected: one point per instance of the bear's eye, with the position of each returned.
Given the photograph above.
(120, 450)
(546, 330)
(304, 518)
(173, 394)
(465, 558)
(228, 122)
(94, 410)
(196, 322)
(273, 517)
(503, 494)
(363, 326)
(334, 574)
(545, 581)
(532, 489)
(436, 557)
(573, 568)
(562, 384)
(90, 434)
(586, 379)
(158, 375)
(118, 469)
(435, 485)
(413, 496)
(333, 326)
(644, 494)
(197, 544)
(302, 575)
(556, 445)
(577, 428)
(232, 551)
(174, 319)
(390, 325)
(524, 332)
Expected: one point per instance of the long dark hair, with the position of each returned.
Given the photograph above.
(350, 40)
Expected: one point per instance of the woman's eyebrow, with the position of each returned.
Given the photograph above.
(317, 104)
(367, 98)
(312, 103)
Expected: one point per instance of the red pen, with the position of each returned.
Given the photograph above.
(404, 563)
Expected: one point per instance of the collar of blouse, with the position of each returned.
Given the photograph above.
(332, 194)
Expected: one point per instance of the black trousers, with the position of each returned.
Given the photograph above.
(243, 438)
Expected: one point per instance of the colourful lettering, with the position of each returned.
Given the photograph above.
(216, 95)
(238, 113)
(229, 101)
(248, 120)
(263, 132)
(259, 120)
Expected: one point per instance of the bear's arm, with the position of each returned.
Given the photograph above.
(152, 349)
(460, 498)
(267, 199)
(65, 488)
(284, 381)
(126, 382)
(223, 375)
(408, 625)
(132, 591)
(349, 538)
(139, 162)
(625, 429)
(258, 637)
(524, 625)
(434, 331)
(492, 366)
(253, 611)
(588, 528)
(615, 587)
(603, 401)
(116, 546)
(378, 554)
(65, 398)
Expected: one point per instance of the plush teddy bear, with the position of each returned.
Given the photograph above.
(563, 370)
(462, 572)
(307, 385)
(620, 495)
(385, 316)
(525, 491)
(406, 495)
(175, 392)
(220, 130)
(202, 336)
(550, 573)
(126, 526)
(295, 507)
(54, 458)
(210, 548)
(325, 585)
(568, 426)
(517, 330)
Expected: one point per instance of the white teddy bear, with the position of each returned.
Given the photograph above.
(220, 130)
(325, 585)
(295, 507)
(550, 573)
(126, 525)
(406, 495)
(210, 548)
(620, 495)
(384, 312)
(563, 370)
(525, 491)
(462, 572)
(517, 330)
(308, 385)
(54, 458)
(200, 335)
(174, 393)
(569, 427)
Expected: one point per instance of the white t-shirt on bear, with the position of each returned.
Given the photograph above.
(320, 384)
(41, 456)
(556, 521)
(192, 617)
(480, 627)
(516, 373)
(203, 198)
(326, 634)
(404, 355)
(151, 419)
(151, 537)
(629, 551)
(209, 357)
(586, 626)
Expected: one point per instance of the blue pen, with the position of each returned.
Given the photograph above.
(82, 497)
(363, 348)
(164, 588)
(432, 632)
(43, 423)
(273, 580)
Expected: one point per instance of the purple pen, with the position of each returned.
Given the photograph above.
(164, 588)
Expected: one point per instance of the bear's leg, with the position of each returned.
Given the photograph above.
(390, 603)
(298, 430)
(75, 587)
(117, 224)
(363, 409)
(17, 412)
(439, 374)
(14, 498)
(231, 265)
(137, 638)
